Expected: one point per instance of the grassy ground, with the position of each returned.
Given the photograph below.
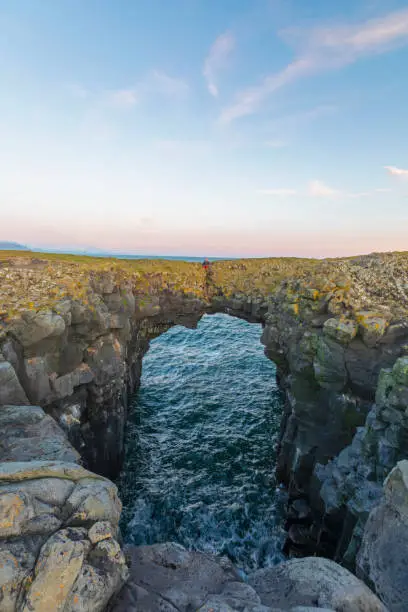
(32, 281)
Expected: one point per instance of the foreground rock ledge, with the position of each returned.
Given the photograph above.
(168, 577)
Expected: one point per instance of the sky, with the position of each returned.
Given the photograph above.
(205, 127)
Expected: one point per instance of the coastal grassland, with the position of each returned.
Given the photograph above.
(34, 281)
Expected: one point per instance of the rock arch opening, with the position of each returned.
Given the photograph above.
(201, 439)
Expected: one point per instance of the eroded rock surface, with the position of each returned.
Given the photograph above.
(167, 577)
(352, 484)
(383, 557)
(27, 434)
(314, 582)
(58, 521)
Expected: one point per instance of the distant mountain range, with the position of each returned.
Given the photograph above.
(12, 246)
(5, 245)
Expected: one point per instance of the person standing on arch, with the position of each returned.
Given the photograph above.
(207, 271)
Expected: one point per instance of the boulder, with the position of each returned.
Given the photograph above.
(383, 557)
(37, 375)
(54, 552)
(329, 365)
(56, 571)
(169, 578)
(101, 576)
(94, 501)
(30, 434)
(341, 330)
(400, 371)
(235, 597)
(11, 576)
(16, 510)
(100, 531)
(11, 391)
(63, 386)
(314, 581)
(372, 326)
(34, 327)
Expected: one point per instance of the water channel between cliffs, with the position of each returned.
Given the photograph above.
(200, 445)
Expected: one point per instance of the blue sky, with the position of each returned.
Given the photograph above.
(217, 127)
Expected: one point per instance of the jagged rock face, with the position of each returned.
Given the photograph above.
(80, 361)
(351, 485)
(329, 367)
(330, 327)
(383, 556)
(58, 521)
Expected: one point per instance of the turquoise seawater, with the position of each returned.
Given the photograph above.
(200, 446)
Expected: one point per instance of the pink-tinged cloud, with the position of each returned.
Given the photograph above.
(319, 189)
(398, 172)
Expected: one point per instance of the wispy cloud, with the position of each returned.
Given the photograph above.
(217, 59)
(398, 172)
(161, 83)
(321, 49)
(156, 83)
(319, 189)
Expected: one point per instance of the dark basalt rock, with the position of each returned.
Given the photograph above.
(338, 334)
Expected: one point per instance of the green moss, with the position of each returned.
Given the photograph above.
(37, 280)
(400, 371)
(385, 385)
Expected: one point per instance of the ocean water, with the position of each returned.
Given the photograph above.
(200, 445)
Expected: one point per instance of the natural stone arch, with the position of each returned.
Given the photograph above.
(326, 326)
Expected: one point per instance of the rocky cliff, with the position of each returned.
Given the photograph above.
(74, 330)
(59, 532)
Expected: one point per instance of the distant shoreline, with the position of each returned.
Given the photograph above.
(14, 246)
